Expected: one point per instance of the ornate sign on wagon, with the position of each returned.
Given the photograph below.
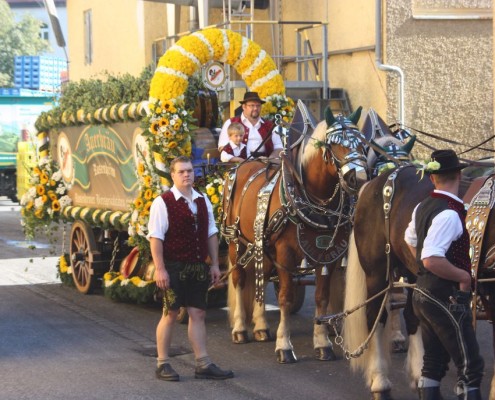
(98, 162)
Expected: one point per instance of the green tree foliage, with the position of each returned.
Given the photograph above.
(17, 39)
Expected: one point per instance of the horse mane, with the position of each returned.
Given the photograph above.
(383, 141)
(310, 148)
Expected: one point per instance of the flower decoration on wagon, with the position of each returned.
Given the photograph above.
(149, 189)
(214, 191)
(45, 200)
(132, 289)
(278, 104)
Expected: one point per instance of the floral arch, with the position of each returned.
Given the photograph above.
(168, 124)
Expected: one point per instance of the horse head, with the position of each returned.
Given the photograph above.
(344, 148)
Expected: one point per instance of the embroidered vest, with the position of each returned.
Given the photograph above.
(458, 252)
(187, 237)
(264, 131)
(228, 149)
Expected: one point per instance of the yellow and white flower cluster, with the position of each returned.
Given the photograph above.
(46, 198)
(149, 189)
(278, 104)
(214, 191)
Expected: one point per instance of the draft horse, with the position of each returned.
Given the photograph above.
(278, 214)
(376, 247)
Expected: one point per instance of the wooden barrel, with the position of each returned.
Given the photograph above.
(206, 110)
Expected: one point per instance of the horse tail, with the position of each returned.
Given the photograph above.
(247, 296)
(355, 324)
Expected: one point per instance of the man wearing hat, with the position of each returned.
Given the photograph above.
(259, 137)
(438, 238)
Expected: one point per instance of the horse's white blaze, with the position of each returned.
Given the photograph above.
(311, 151)
(377, 369)
(283, 332)
(355, 325)
(414, 360)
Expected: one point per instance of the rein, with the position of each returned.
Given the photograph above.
(450, 141)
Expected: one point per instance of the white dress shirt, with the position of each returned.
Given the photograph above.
(444, 229)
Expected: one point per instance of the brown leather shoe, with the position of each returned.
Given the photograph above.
(212, 372)
(165, 372)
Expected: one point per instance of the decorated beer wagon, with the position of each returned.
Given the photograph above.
(99, 170)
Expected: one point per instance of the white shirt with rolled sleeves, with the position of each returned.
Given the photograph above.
(158, 222)
(444, 229)
(255, 138)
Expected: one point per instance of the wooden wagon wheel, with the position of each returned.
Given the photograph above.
(82, 248)
(299, 295)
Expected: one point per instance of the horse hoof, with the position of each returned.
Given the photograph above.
(399, 346)
(286, 357)
(385, 395)
(263, 335)
(325, 354)
(240, 337)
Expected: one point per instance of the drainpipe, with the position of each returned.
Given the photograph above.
(384, 67)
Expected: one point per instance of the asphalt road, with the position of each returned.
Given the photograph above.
(56, 343)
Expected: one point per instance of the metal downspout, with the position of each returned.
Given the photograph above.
(385, 67)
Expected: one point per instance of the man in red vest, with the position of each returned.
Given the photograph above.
(182, 234)
(260, 138)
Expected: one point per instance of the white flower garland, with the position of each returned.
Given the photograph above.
(244, 48)
(171, 71)
(211, 51)
(187, 54)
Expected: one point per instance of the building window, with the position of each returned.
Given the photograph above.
(88, 37)
(44, 31)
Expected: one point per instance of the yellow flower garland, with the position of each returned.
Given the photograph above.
(190, 52)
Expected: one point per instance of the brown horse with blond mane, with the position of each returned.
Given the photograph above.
(279, 213)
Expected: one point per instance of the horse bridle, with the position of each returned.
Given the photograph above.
(346, 134)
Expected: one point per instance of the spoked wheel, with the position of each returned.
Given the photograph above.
(82, 249)
(299, 295)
